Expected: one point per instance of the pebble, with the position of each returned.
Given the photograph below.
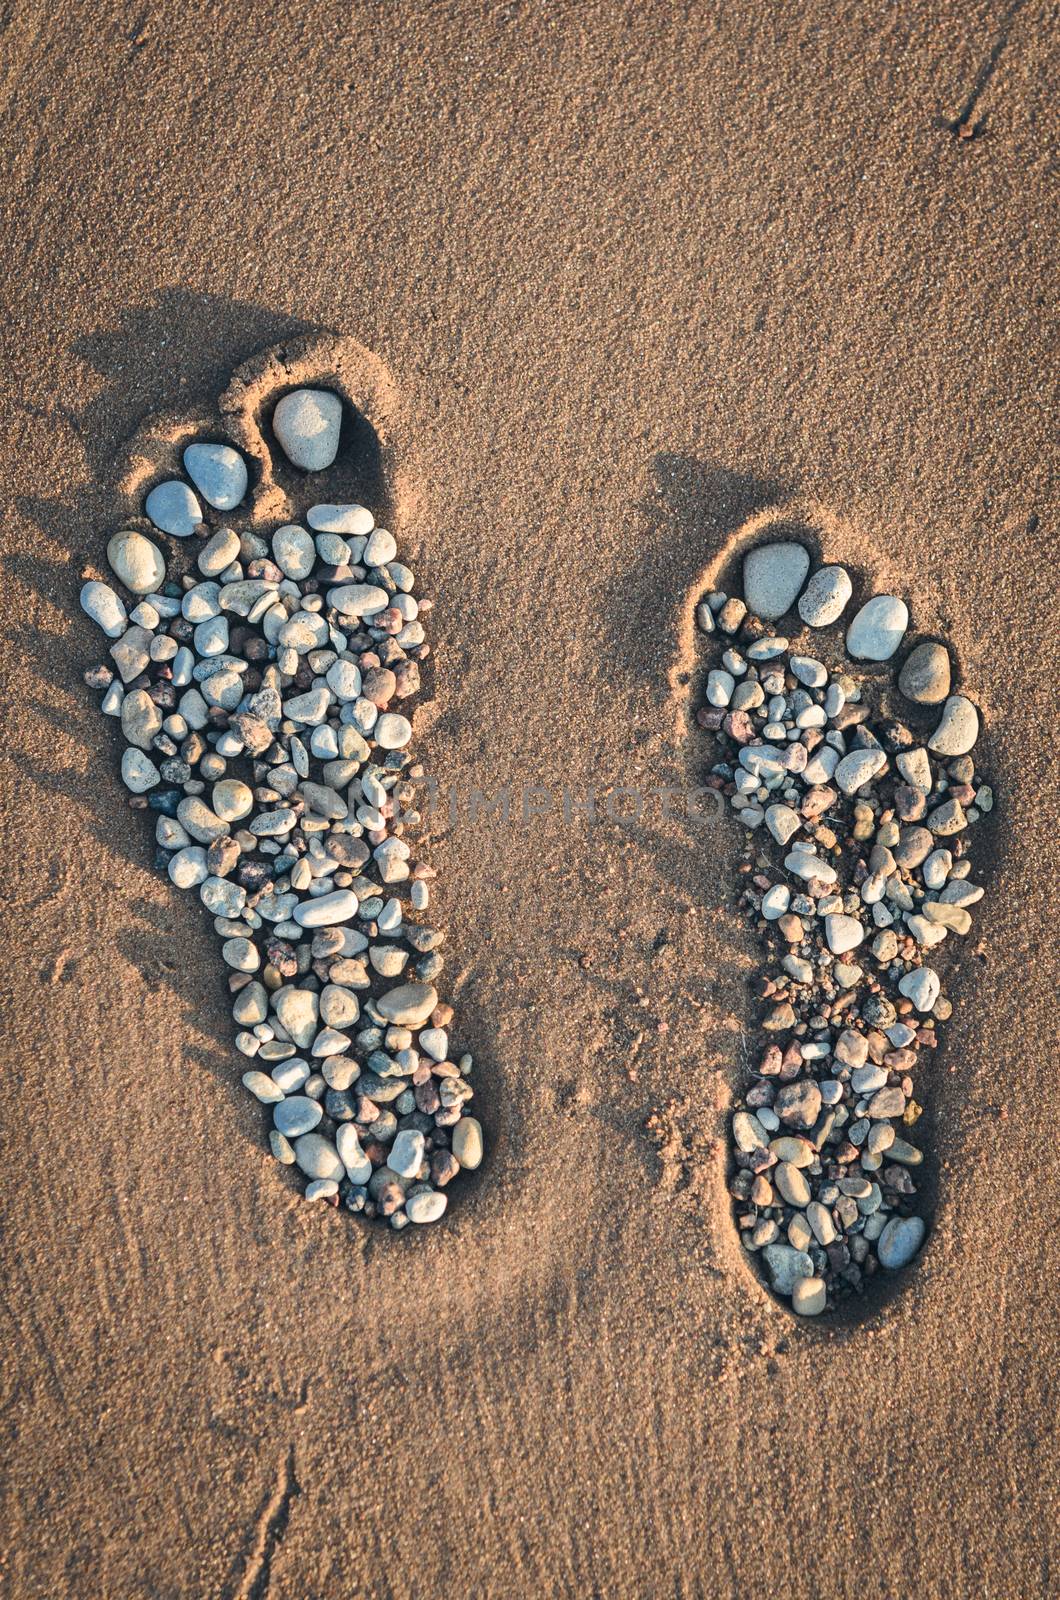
(825, 597)
(773, 574)
(136, 561)
(138, 772)
(356, 600)
(327, 910)
(468, 1143)
(141, 719)
(809, 1297)
(407, 1153)
(426, 1205)
(173, 508)
(307, 423)
(786, 1266)
(321, 1189)
(297, 1115)
(348, 519)
(925, 675)
(317, 1157)
(900, 1241)
(922, 986)
(843, 933)
(878, 628)
(357, 1164)
(294, 551)
(99, 601)
(958, 728)
(218, 472)
(218, 553)
(262, 1088)
(857, 769)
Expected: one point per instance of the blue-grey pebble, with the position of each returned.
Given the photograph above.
(218, 472)
(174, 509)
(295, 1115)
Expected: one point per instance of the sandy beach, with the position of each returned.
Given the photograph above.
(640, 273)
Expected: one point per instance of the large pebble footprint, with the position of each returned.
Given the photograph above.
(262, 671)
(856, 792)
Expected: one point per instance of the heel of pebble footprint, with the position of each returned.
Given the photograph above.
(855, 795)
(254, 673)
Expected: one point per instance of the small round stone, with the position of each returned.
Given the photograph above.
(173, 508)
(878, 628)
(141, 719)
(296, 1115)
(392, 731)
(843, 933)
(858, 769)
(409, 1005)
(218, 472)
(426, 1205)
(187, 868)
(232, 800)
(262, 1088)
(809, 1297)
(356, 521)
(900, 1241)
(958, 728)
(136, 561)
(218, 553)
(358, 600)
(922, 986)
(138, 772)
(825, 597)
(307, 423)
(925, 675)
(773, 574)
(294, 550)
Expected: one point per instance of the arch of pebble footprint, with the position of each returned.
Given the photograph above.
(255, 685)
(856, 792)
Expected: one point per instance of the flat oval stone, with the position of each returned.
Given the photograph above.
(748, 1132)
(218, 472)
(318, 1157)
(358, 599)
(925, 674)
(297, 1115)
(426, 1205)
(900, 1241)
(409, 1005)
(791, 1183)
(141, 719)
(173, 508)
(294, 550)
(467, 1143)
(381, 548)
(329, 909)
(262, 1088)
(218, 553)
(825, 597)
(343, 678)
(406, 1153)
(307, 423)
(99, 601)
(348, 519)
(310, 708)
(137, 562)
(878, 628)
(958, 728)
(773, 574)
(203, 824)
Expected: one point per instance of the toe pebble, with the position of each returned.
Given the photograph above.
(925, 674)
(878, 628)
(174, 509)
(900, 1241)
(307, 424)
(137, 562)
(825, 597)
(773, 574)
(958, 728)
(218, 472)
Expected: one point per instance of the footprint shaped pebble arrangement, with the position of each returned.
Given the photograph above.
(257, 698)
(856, 795)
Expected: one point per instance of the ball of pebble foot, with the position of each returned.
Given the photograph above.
(307, 424)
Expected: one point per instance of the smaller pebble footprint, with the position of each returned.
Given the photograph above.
(261, 668)
(856, 792)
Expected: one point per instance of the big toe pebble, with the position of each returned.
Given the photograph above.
(307, 424)
(773, 574)
(137, 562)
(825, 597)
(878, 628)
(173, 508)
(218, 472)
(958, 728)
